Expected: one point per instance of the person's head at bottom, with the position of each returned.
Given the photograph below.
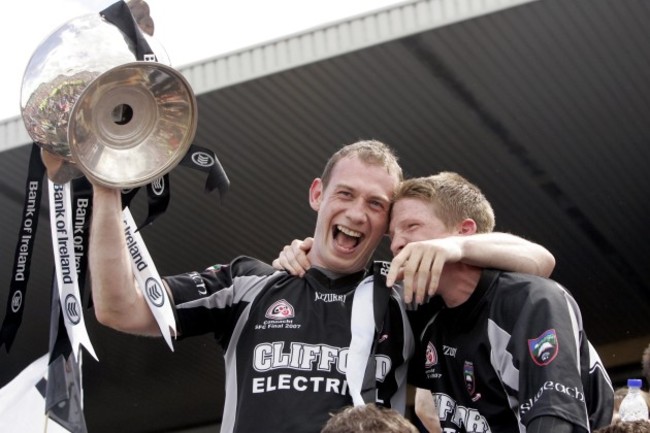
(368, 418)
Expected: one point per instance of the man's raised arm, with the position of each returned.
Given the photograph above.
(118, 301)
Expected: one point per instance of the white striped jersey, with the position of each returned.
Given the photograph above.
(287, 343)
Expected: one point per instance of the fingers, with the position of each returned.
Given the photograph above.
(413, 268)
(282, 263)
(293, 258)
(58, 169)
(419, 265)
(298, 254)
(405, 266)
(434, 274)
(307, 244)
(289, 262)
(395, 271)
(424, 275)
(416, 275)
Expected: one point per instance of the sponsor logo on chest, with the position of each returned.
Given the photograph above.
(330, 297)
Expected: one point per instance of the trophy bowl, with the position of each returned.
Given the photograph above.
(117, 120)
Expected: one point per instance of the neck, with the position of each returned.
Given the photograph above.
(332, 275)
(457, 283)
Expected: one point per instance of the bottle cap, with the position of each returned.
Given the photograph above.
(636, 383)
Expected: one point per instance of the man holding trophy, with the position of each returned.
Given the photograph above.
(296, 349)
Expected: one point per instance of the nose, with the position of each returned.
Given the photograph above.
(357, 212)
(397, 242)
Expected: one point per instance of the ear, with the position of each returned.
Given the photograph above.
(315, 193)
(467, 227)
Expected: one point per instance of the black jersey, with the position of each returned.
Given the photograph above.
(287, 343)
(514, 351)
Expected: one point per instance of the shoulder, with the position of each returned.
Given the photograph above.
(520, 284)
(249, 266)
(511, 291)
(517, 299)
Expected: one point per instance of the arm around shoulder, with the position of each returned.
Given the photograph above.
(507, 252)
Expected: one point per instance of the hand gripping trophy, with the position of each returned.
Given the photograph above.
(100, 100)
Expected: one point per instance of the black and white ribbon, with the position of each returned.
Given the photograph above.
(148, 279)
(65, 266)
(24, 249)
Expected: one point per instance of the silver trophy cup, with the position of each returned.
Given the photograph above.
(120, 122)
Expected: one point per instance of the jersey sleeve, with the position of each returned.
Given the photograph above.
(599, 391)
(208, 301)
(540, 360)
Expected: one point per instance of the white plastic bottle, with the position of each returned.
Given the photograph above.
(633, 407)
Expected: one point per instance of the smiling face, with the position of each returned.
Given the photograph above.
(412, 220)
(438, 206)
(353, 213)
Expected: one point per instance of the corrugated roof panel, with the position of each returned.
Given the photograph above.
(314, 45)
(339, 38)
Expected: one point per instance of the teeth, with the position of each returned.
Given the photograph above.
(349, 232)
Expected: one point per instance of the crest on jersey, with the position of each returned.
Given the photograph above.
(431, 356)
(280, 310)
(468, 376)
(544, 348)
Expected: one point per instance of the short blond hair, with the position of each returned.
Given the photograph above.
(453, 197)
(368, 418)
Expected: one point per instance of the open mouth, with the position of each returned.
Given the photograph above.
(345, 237)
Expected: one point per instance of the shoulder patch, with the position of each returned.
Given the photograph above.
(544, 348)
